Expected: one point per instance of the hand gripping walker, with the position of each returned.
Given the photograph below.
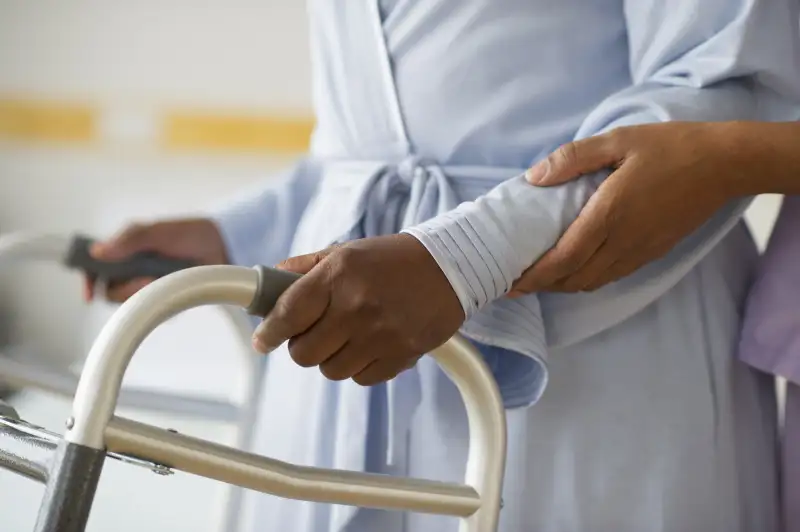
(72, 252)
(93, 431)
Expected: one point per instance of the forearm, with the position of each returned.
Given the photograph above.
(765, 156)
(483, 246)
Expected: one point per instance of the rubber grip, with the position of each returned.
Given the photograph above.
(137, 266)
(271, 284)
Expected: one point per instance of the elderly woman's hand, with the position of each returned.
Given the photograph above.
(668, 180)
(366, 310)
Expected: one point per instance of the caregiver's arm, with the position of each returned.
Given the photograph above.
(772, 152)
(709, 60)
(669, 179)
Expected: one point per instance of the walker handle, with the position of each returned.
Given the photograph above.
(136, 266)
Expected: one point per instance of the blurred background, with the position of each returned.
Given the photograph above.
(115, 111)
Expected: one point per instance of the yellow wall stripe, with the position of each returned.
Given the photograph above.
(218, 132)
(24, 120)
(47, 121)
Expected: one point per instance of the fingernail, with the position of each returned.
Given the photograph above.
(258, 342)
(259, 346)
(537, 174)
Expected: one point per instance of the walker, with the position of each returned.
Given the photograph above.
(94, 432)
(72, 252)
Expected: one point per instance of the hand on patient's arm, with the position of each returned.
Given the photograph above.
(668, 180)
(366, 310)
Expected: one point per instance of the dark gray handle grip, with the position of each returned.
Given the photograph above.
(137, 266)
(271, 284)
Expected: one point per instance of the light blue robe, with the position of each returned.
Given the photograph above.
(647, 424)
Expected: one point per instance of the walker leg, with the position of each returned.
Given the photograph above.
(70, 490)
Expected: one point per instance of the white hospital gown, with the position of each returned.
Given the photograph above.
(627, 412)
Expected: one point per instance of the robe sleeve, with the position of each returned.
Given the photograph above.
(258, 227)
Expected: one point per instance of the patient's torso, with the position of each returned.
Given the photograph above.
(480, 82)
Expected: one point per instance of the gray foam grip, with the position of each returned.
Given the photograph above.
(136, 266)
(271, 284)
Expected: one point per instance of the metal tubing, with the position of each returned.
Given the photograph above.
(244, 440)
(487, 429)
(26, 247)
(20, 374)
(22, 433)
(95, 401)
(99, 385)
(32, 247)
(219, 462)
(23, 466)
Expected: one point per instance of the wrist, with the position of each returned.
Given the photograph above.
(739, 155)
(765, 157)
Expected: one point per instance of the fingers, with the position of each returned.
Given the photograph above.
(88, 288)
(118, 293)
(577, 158)
(574, 249)
(319, 343)
(628, 262)
(590, 275)
(347, 362)
(133, 239)
(380, 371)
(611, 274)
(304, 263)
(115, 293)
(296, 311)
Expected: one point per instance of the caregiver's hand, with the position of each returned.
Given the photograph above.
(195, 239)
(366, 310)
(668, 179)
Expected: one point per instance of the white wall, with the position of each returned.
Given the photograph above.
(133, 57)
(250, 53)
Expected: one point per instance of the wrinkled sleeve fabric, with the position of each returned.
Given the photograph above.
(699, 60)
(258, 226)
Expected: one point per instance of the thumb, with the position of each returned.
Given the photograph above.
(133, 239)
(297, 309)
(305, 263)
(575, 159)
